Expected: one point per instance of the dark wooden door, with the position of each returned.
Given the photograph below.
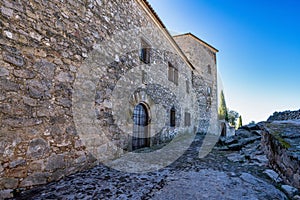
(140, 128)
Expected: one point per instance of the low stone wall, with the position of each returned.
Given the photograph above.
(286, 115)
(281, 145)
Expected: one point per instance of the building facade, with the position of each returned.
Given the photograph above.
(86, 81)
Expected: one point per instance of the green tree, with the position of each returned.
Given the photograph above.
(239, 122)
(232, 117)
(222, 110)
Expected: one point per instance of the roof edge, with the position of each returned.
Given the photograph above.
(199, 40)
(165, 30)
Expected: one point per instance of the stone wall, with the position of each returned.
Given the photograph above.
(281, 145)
(286, 115)
(205, 80)
(70, 76)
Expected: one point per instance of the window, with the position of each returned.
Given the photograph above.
(172, 117)
(208, 69)
(172, 73)
(187, 86)
(192, 78)
(145, 52)
(144, 77)
(187, 119)
(209, 91)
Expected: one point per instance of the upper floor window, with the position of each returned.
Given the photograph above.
(187, 86)
(172, 73)
(187, 119)
(208, 69)
(145, 52)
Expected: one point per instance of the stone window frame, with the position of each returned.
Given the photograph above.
(145, 51)
(172, 117)
(172, 73)
(187, 119)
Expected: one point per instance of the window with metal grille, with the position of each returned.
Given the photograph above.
(145, 52)
(173, 117)
(172, 73)
(187, 119)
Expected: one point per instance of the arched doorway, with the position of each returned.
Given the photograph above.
(223, 129)
(140, 136)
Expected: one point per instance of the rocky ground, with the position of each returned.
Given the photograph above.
(235, 169)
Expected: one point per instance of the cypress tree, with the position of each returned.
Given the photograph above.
(222, 111)
(240, 122)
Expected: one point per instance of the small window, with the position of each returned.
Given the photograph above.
(187, 87)
(209, 91)
(145, 52)
(208, 69)
(144, 77)
(172, 73)
(187, 119)
(192, 78)
(172, 117)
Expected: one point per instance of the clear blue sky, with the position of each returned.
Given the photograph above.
(259, 48)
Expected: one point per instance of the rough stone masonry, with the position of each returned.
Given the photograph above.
(48, 45)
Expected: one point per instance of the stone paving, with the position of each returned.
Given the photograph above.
(213, 177)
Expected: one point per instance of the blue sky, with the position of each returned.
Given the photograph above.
(259, 48)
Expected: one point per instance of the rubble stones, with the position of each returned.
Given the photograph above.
(281, 145)
(189, 177)
(286, 115)
(273, 175)
(290, 191)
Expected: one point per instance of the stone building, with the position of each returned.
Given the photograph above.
(85, 81)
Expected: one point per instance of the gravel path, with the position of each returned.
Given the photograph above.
(213, 177)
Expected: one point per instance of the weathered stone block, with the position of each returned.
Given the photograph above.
(35, 93)
(37, 148)
(3, 72)
(46, 110)
(65, 102)
(18, 162)
(57, 175)
(45, 68)
(55, 162)
(13, 59)
(9, 85)
(19, 172)
(9, 183)
(64, 77)
(7, 11)
(6, 194)
(36, 166)
(35, 179)
(21, 122)
(24, 74)
(29, 101)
